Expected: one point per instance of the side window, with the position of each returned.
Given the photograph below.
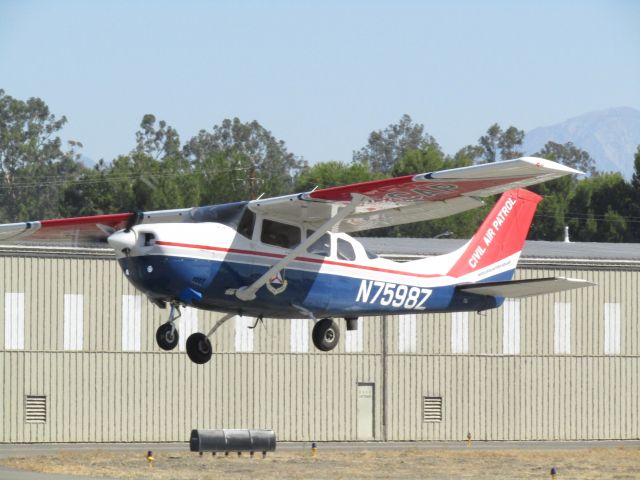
(280, 234)
(345, 250)
(248, 220)
(322, 246)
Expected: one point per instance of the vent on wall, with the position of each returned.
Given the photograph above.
(35, 409)
(431, 409)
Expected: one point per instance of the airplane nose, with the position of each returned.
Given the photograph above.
(122, 241)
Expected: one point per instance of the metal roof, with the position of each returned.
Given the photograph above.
(537, 252)
(533, 249)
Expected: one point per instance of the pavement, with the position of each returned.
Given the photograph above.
(21, 450)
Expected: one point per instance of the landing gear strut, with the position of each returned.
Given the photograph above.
(199, 347)
(167, 333)
(325, 334)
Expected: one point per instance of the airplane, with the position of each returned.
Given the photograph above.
(292, 256)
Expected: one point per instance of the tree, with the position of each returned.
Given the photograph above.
(157, 142)
(385, 147)
(570, 155)
(509, 142)
(468, 155)
(268, 166)
(490, 143)
(33, 165)
(332, 174)
(599, 208)
(553, 212)
(497, 144)
(634, 209)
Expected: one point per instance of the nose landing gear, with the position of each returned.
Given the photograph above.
(167, 334)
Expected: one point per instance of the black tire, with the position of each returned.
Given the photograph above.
(199, 348)
(326, 334)
(167, 336)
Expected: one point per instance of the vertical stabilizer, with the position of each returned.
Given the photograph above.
(497, 244)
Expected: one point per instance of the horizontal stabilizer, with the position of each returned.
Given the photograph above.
(525, 288)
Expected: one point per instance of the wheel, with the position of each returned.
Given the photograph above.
(167, 336)
(325, 334)
(199, 348)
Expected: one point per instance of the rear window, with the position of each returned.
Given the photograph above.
(345, 250)
(280, 234)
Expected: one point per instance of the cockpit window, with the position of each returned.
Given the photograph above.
(228, 214)
(248, 220)
(322, 246)
(280, 234)
(345, 250)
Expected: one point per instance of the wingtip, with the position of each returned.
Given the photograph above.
(551, 165)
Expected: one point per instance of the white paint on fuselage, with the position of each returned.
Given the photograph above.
(218, 242)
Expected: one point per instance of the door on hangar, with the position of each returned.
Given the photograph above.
(365, 410)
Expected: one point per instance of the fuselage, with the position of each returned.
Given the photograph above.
(203, 264)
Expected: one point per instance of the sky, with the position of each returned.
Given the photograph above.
(319, 75)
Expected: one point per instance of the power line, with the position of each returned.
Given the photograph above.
(57, 180)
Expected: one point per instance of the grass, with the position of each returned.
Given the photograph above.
(525, 463)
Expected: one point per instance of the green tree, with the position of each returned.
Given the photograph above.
(490, 143)
(510, 143)
(551, 214)
(33, 164)
(498, 144)
(385, 147)
(570, 155)
(333, 174)
(159, 141)
(269, 167)
(599, 209)
(634, 207)
(468, 155)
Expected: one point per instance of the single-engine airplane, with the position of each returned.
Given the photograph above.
(291, 256)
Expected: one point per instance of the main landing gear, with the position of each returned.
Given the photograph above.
(326, 333)
(198, 345)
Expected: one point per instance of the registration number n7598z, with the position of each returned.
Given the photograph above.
(393, 294)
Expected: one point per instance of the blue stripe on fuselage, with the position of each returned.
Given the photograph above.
(326, 295)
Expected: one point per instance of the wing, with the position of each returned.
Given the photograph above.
(393, 201)
(83, 231)
(412, 198)
(525, 288)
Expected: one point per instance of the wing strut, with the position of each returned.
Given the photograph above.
(249, 292)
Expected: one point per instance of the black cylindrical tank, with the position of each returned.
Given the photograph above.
(232, 440)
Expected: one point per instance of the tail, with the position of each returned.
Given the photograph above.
(496, 246)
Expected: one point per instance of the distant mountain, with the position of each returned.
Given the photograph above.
(611, 137)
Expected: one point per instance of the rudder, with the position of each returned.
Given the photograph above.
(500, 237)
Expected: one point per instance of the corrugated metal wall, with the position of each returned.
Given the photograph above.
(564, 366)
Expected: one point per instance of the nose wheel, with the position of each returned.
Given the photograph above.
(167, 336)
(325, 334)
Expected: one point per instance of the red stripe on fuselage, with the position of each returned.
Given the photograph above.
(300, 259)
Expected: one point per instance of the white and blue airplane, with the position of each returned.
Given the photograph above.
(291, 256)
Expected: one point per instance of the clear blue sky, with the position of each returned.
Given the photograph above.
(320, 75)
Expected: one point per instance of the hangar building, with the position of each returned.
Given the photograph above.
(79, 363)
